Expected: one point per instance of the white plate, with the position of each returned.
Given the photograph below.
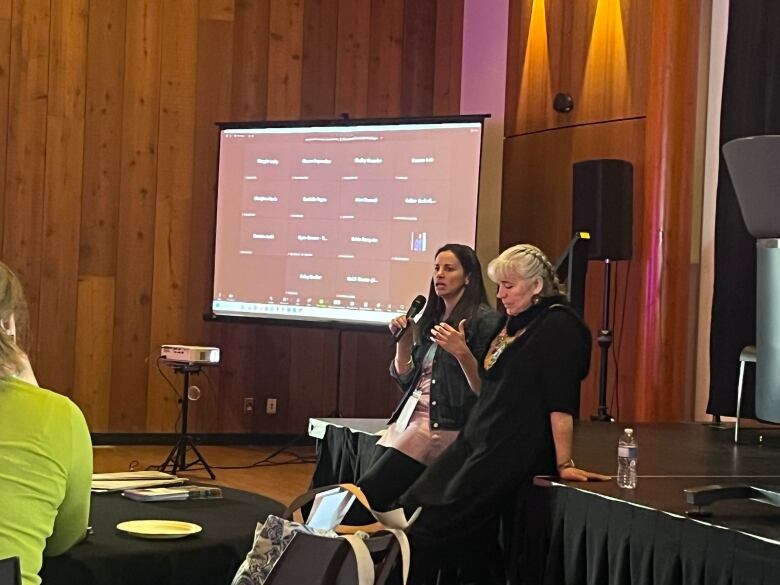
(158, 528)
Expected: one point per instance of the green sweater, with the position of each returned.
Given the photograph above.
(45, 474)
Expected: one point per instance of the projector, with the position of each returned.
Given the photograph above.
(190, 354)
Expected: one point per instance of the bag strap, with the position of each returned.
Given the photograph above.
(394, 521)
(365, 564)
(405, 549)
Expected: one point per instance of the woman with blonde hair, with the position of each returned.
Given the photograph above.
(45, 451)
(522, 424)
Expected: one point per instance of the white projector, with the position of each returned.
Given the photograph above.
(190, 354)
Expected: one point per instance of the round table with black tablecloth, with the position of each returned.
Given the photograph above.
(110, 557)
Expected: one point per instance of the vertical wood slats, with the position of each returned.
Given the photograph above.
(284, 59)
(93, 347)
(270, 375)
(175, 143)
(137, 199)
(448, 57)
(666, 325)
(240, 368)
(109, 182)
(352, 53)
(313, 350)
(418, 57)
(594, 50)
(103, 125)
(62, 193)
(249, 98)
(219, 10)
(519, 19)
(99, 211)
(26, 154)
(318, 74)
(5, 62)
(386, 58)
(212, 104)
(366, 386)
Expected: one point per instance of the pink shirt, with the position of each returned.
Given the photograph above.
(418, 440)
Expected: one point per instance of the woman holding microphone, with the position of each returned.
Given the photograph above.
(436, 368)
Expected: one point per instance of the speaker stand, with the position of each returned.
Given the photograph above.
(604, 340)
(177, 458)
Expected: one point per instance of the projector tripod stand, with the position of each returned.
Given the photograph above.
(177, 458)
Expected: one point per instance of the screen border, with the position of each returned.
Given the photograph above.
(210, 316)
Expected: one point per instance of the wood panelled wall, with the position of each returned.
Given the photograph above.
(619, 60)
(108, 155)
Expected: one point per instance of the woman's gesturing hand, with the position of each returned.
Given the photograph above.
(451, 340)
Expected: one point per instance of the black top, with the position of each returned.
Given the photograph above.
(508, 438)
(451, 396)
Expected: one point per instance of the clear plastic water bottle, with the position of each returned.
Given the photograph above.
(628, 453)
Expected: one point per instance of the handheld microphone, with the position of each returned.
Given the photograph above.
(417, 304)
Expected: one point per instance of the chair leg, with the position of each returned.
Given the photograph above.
(739, 400)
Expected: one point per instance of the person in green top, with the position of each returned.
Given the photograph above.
(45, 452)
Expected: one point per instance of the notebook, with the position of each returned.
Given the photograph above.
(162, 494)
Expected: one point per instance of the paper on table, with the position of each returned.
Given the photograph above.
(131, 475)
(120, 485)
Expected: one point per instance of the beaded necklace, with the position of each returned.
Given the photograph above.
(499, 345)
(515, 326)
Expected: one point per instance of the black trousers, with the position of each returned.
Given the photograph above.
(467, 554)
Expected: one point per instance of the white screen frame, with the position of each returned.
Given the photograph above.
(298, 310)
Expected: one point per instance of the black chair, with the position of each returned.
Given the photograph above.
(10, 573)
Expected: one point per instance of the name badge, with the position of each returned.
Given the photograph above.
(406, 412)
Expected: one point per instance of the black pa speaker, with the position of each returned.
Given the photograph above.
(603, 206)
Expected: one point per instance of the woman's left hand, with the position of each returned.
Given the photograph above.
(575, 474)
(451, 340)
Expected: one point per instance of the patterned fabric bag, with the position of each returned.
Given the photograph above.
(286, 552)
(271, 538)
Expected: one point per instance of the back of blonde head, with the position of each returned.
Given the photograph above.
(12, 305)
(525, 261)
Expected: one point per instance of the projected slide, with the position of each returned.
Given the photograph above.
(339, 222)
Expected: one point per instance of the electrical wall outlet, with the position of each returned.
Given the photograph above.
(249, 405)
(270, 406)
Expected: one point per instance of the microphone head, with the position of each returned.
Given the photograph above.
(417, 304)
